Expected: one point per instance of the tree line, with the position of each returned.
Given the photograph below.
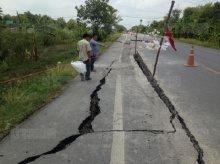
(22, 35)
(201, 23)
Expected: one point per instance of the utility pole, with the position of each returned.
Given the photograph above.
(136, 38)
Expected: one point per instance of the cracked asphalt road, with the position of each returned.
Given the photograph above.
(193, 91)
(134, 125)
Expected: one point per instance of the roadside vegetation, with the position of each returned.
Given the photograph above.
(37, 43)
(195, 25)
(197, 42)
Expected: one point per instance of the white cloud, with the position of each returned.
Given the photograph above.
(130, 10)
(53, 8)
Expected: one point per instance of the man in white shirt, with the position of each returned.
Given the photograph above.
(84, 48)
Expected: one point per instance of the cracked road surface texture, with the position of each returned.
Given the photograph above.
(115, 118)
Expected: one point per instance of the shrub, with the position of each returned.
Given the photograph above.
(4, 66)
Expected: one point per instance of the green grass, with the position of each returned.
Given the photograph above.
(198, 43)
(49, 57)
(21, 98)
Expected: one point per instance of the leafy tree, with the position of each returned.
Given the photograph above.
(120, 28)
(71, 24)
(1, 19)
(187, 13)
(46, 20)
(191, 14)
(157, 24)
(216, 13)
(178, 28)
(1, 12)
(140, 28)
(174, 17)
(98, 13)
(201, 22)
(205, 13)
(61, 23)
(32, 19)
(22, 18)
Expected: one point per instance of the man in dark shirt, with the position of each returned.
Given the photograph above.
(95, 50)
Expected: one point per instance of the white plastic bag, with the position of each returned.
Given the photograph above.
(79, 66)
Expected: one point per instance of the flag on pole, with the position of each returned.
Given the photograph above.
(169, 35)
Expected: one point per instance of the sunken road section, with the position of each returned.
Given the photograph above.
(170, 106)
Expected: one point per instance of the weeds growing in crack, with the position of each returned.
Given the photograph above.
(170, 106)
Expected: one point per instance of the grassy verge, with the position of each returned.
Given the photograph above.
(48, 58)
(198, 43)
(21, 98)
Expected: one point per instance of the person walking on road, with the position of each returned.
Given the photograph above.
(84, 48)
(95, 50)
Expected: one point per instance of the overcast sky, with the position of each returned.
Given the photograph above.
(131, 11)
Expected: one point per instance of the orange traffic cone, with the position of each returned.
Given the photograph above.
(190, 62)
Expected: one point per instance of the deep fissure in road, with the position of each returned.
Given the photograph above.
(170, 106)
(85, 126)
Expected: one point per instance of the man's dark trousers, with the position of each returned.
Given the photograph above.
(87, 63)
(92, 61)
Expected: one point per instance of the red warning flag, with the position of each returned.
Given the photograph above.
(169, 35)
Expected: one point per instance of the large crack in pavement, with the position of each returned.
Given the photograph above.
(170, 106)
(85, 126)
(149, 131)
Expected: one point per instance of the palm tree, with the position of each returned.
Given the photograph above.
(43, 25)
